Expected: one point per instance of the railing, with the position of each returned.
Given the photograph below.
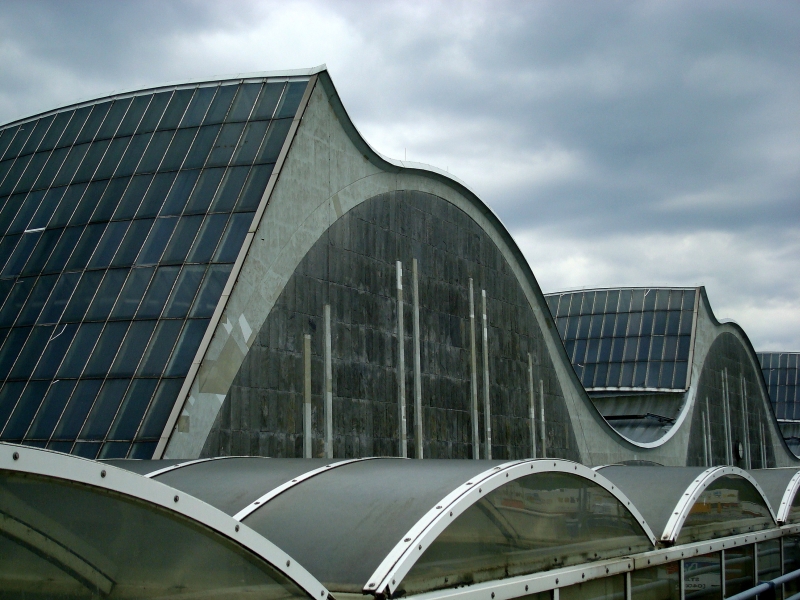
(767, 588)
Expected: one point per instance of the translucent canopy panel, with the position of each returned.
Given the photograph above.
(120, 221)
(534, 523)
(627, 339)
(780, 374)
(728, 506)
(780, 487)
(62, 540)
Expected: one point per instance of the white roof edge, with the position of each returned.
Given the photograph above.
(620, 288)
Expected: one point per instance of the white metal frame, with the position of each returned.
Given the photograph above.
(180, 465)
(55, 465)
(788, 498)
(424, 532)
(693, 492)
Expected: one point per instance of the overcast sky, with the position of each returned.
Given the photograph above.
(649, 143)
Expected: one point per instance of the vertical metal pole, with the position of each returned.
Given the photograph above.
(710, 440)
(682, 581)
(747, 460)
(763, 448)
(306, 396)
(541, 420)
(476, 440)
(328, 384)
(727, 416)
(401, 365)
(722, 572)
(417, 367)
(487, 405)
(532, 406)
(628, 585)
(705, 438)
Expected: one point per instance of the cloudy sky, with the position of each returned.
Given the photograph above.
(648, 143)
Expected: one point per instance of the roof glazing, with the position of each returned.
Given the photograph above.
(780, 371)
(119, 224)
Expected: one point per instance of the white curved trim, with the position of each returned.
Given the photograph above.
(180, 465)
(788, 498)
(47, 463)
(256, 504)
(424, 532)
(693, 492)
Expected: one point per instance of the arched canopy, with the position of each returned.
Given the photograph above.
(781, 487)
(81, 528)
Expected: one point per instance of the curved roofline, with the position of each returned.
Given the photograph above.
(693, 492)
(66, 467)
(624, 287)
(788, 498)
(180, 465)
(139, 91)
(396, 565)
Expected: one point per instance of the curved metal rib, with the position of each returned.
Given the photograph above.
(158, 472)
(788, 498)
(404, 555)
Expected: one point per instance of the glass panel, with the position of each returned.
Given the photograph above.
(248, 92)
(83, 296)
(7, 246)
(10, 210)
(108, 245)
(273, 142)
(254, 188)
(132, 293)
(114, 450)
(106, 349)
(791, 562)
(51, 358)
(52, 407)
(133, 406)
(91, 161)
(163, 401)
(155, 195)
(106, 295)
(231, 242)
(21, 254)
(157, 241)
(134, 115)
(769, 561)
(739, 570)
(133, 349)
(58, 299)
(160, 348)
(19, 293)
(25, 410)
(184, 292)
(155, 152)
(104, 409)
(209, 295)
(179, 193)
(47, 207)
(133, 154)
(729, 506)
(154, 112)
(105, 207)
(133, 197)
(86, 450)
(50, 169)
(175, 109)
(39, 295)
(198, 106)
(535, 523)
(608, 588)
(88, 242)
(112, 157)
(267, 101)
(201, 146)
(9, 394)
(74, 126)
(64, 249)
(68, 203)
(26, 212)
(32, 171)
(227, 193)
(89, 204)
(180, 243)
(34, 347)
(702, 577)
(36, 135)
(222, 101)
(112, 120)
(291, 99)
(204, 191)
(10, 182)
(225, 144)
(6, 137)
(251, 140)
(178, 149)
(80, 350)
(134, 238)
(157, 294)
(75, 414)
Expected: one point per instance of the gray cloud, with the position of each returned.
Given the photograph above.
(624, 143)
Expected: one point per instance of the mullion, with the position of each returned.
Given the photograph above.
(25, 129)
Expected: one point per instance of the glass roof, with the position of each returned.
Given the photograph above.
(774, 483)
(627, 338)
(120, 221)
(780, 374)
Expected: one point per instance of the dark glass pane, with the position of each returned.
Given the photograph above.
(243, 104)
(32, 172)
(52, 407)
(108, 245)
(673, 322)
(7, 246)
(666, 375)
(291, 99)
(59, 298)
(198, 106)
(88, 242)
(105, 408)
(680, 375)
(74, 126)
(587, 378)
(11, 349)
(106, 295)
(113, 119)
(89, 203)
(232, 240)
(133, 348)
(614, 370)
(630, 349)
(157, 294)
(186, 347)
(80, 350)
(583, 326)
(64, 447)
(647, 322)
(52, 166)
(660, 322)
(175, 109)
(75, 414)
(155, 152)
(63, 250)
(106, 349)
(160, 348)
(688, 299)
(9, 395)
(86, 449)
(132, 293)
(184, 291)
(46, 209)
(222, 101)
(111, 197)
(90, 128)
(134, 115)
(54, 133)
(656, 348)
(254, 188)
(5, 288)
(133, 406)
(134, 238)
(25, 214)
(133, 154)
(160, 407)
(179, 193)
(54, 353)
(70, 165)
(181, 241)
(21, 254)
(6, 136)
(687, 320)
(662, 300)
(273, 143)
(31, 352)
(639, 374)
(9, 212)
(653, 369)
(36, 135)
(604, 354)
(91, 161)
(19, 293)
(207, 239)
(114, 450)
(10, 182)
(201, 147)
(25, 410)
(18, 141)
(157, 241)
(83, 296)
(204, 191)
(39, 295)
(155, 195)
(112, 157)
(133, 197)
(225, 144)
(142, 450)
(228, 191)
(249, 143)
(67, 205)
(684, 344)
(267, 101)
(154, 112)
(178, 149)
(670, 347)
(650, 299)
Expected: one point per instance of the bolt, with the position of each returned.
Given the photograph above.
(103, 473)
(237, 528)
(288, 562)
(175, 498)
(16, 455)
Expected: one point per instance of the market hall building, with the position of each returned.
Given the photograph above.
(227, 269)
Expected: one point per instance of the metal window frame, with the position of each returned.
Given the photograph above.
(55, 465)
(399, 561)
(788, 497)
(693, 492)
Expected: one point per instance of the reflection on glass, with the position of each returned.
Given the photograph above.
(702, 577)
(739, 569)
(791, 562)
(657, 583)
(608, 588)
(769, 561)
